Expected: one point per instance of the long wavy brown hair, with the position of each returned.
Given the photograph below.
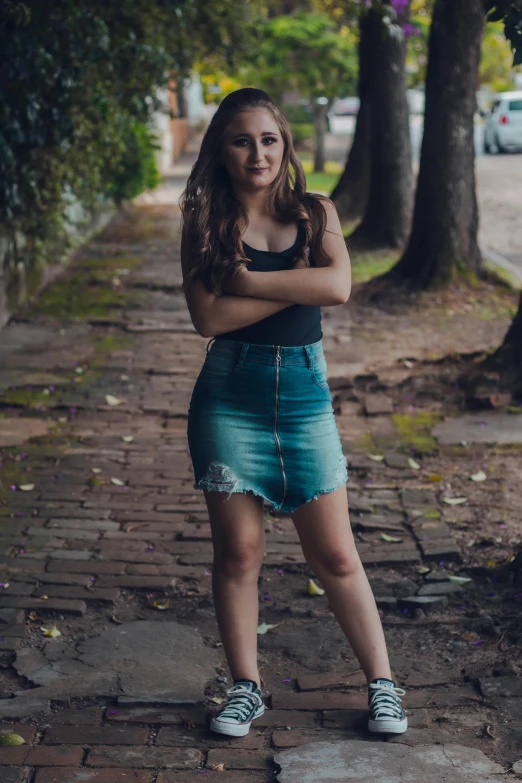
(214, 220)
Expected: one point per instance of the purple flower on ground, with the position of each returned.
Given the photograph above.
(268, 598)
(280, 572)
(287, 680)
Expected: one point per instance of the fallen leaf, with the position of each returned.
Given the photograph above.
(408, 364)
(390, 539)
(454, 501)
(218, 767)
(217, 700)
(112, 400)
(161, 604)
(96, 470)
(118, 482)
(376, 457)
(9, 740)
(423, 570)
(413, 464)
(53, 631)
(460, 580)
(264, 628)
(480, 476)
(26, 487)
(469, 636)
(115, 619)
(128, 438)
(314, 589)
(435, 477)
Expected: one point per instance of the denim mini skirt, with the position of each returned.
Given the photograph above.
(261, 420)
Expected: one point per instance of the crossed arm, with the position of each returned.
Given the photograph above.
(252, 296)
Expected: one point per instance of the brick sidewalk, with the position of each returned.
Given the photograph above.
(105, 363)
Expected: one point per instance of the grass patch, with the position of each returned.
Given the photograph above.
(76, 299)
(320, 180)
(366, 266)
(28, 398)
(414, 430)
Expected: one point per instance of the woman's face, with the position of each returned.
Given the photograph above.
(253, 149)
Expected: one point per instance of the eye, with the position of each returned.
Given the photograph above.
(271, 139)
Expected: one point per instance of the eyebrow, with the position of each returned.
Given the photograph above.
(265, 133)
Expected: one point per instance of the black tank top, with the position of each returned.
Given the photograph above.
(295, 325)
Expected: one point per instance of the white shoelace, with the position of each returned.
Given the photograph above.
(242, 702)
(386, 702)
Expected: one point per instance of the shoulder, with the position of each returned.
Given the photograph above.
(333, 222)
(318, 200)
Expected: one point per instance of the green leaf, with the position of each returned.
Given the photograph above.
(264, 628)
(10, 740)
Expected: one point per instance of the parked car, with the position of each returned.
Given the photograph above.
(503, 129)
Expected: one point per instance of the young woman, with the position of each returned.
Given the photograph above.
(260, 256)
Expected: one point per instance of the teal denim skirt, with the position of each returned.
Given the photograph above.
(261, 420)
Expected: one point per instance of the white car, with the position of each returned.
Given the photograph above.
(503, 130)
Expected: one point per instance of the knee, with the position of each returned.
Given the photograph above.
(239, 559)
(338, 563)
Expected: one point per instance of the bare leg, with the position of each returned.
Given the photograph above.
(238, 536)
(326, 536)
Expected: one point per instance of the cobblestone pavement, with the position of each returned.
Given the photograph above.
(102, 534)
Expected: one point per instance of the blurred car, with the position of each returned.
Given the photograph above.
(503, 129)
(345, 107)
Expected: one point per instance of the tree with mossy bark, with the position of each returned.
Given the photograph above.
(377, 180)
(443, 242)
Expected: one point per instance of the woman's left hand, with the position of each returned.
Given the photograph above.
(238, 285)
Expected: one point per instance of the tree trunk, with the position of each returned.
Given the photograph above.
(445, 223)
(387, 216)
(320, 128)
(350, 195)
(507, 359)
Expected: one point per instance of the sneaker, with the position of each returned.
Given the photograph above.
(244, 705)
(386, 713)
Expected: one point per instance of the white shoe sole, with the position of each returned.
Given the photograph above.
(388, 726)
(233, 729)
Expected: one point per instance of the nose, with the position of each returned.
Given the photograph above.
(257, 155)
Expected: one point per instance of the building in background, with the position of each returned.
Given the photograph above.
(182, 114)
